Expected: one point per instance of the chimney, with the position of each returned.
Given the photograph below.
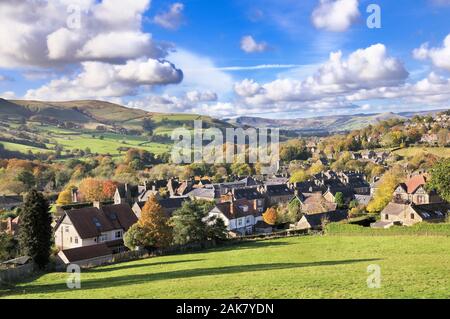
(97, 204)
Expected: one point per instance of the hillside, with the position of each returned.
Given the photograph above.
(103, 127)
(335, 123)
(91, 112)
(302, 267)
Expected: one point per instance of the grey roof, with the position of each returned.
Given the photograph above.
(432, 211)
(209, 193)
(315, 220)
(249, 193)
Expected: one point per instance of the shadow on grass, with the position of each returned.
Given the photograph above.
(139, 265)
(177, 274)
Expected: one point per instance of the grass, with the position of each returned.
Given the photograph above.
(23, 148)
(421, 229)
(301, 267)
(412, 151)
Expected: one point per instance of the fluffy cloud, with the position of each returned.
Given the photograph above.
(172, 19)
(440, 57)
(102, 80)
(197, 96)
(249, 45)
(54, 33)
(363, 69)
(335, 15)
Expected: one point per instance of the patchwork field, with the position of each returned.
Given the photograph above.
(305, 267)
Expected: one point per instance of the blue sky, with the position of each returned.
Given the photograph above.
(270, 58)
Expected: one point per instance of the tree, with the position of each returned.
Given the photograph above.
(8, 247)
(189, 224)
(316, 168)
(108, 189)
(35, 234)
(153, 221)
(134, 237)
(27, 178)
(440, 179)
(270, 216)
(216, 229)
(383, 195)
(64, 198)
(299, 176)
(91, 189)
(339, 200)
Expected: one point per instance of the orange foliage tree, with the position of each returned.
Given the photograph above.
(270, 216)
(154, 224)
(91, 189)
(109, 188)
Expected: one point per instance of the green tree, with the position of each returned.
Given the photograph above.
(35, 234)
(440, 179)
(189, 224)
(216, 229)
(339, 200)
(8, 247)
(27, 178)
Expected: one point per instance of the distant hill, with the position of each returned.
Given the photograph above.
(90, 113)
(335, 123)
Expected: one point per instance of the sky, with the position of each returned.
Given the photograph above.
(228, 58)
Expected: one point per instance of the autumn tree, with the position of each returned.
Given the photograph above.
(153, 221)
(383, 195)
(316, 168)
(270, 216)
(64, 197)
(299, 176)
(91, 189)
(108, 189)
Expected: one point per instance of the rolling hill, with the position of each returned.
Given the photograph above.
(90, 113)
(338, 123)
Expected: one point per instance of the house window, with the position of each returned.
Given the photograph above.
(240, 222)
(119, 234)
(67, 229)
(76, 240)
(386, 217)
(248, 220)
(103, 237)
(70, 239)
(412, 216)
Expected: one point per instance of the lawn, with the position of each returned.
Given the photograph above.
(302, 267)
(411, 151)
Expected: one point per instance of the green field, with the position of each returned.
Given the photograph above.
(302, 267)
(411, 151)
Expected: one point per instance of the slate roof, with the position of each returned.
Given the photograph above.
(225, 208)
(363, 199)
(208, 193)
(249, 193)
(133, 189)
(316, 204)
(279, 190)
(87, 252)
(90, 222)
(432, 211)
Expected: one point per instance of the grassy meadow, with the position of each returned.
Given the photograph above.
(300, 267)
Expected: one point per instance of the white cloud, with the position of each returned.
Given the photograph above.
(335, 15)
(200, 72)
(172, 19)
(197, 96)
(102, 80)
(8, 95)
(440, 56)
(363, 69)
(39, 33)
(249, 45)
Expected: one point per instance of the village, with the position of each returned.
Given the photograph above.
(85, 232)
